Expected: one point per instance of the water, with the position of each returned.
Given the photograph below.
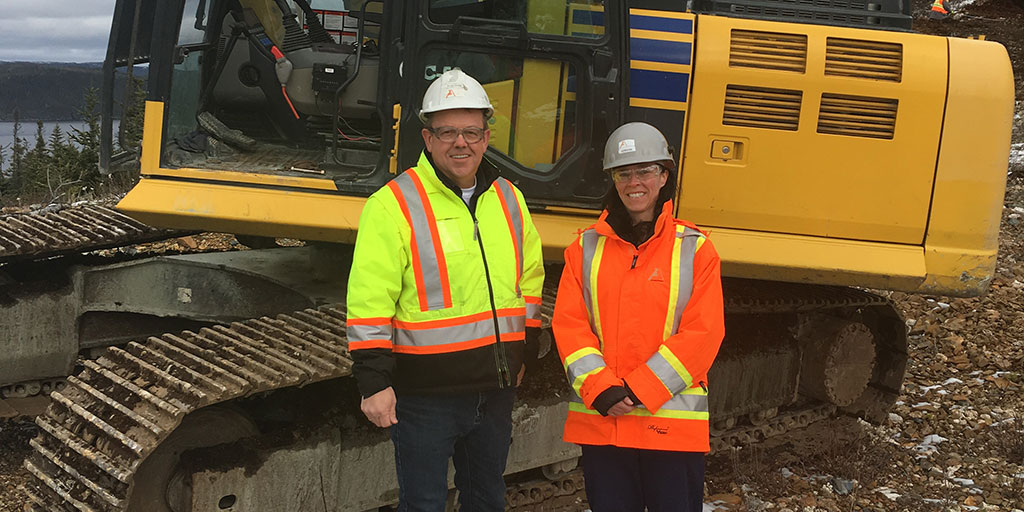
(28, 132)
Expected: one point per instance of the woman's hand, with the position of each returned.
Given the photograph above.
(624, 406)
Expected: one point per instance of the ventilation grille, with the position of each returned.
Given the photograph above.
(762, 107)
(857, 116)
(804, 14)
(864, 59)
(768, 50)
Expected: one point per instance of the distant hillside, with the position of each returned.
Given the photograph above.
(47, 91)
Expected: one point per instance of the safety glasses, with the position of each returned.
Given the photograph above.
(642, 174)
(471, 135)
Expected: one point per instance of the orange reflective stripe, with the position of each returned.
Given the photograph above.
(445, 336)
(363, 345)
(514, 217)
(454, 322)
(380, 320)
(533, 311)
(414, 247)
(454, 347)
(442, 265)
(430, 269)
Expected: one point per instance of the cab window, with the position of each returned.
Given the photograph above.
(583, 18)
(534, 101)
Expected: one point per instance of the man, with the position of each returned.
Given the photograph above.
(445, 281)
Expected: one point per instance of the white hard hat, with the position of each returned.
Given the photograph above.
(636, 143)
(455, 89)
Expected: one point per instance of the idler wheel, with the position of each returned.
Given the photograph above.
(838, 358)
(158, 486)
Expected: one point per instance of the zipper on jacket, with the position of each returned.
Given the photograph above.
(504, 374)
(633, 265)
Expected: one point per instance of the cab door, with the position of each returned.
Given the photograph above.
(550, 70)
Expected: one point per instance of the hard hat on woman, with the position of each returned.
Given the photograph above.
(636, 143)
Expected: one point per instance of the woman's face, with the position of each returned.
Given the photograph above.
(638, 186)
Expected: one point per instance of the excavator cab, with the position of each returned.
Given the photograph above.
(323, 96)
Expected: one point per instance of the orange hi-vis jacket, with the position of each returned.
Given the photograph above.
(651, 317)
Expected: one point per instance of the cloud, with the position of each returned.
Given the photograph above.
(56, 31)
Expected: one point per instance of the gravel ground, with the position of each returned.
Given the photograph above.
(955, 440)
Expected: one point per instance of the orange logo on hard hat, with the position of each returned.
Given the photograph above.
(450, 94)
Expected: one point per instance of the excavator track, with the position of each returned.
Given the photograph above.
(117, 411)
(99, 430)
(73, 229)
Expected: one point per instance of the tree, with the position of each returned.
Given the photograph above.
(37, 160)
(18, 150)
(88, 139)
(64, 173)
(4, 180)
(134, 114)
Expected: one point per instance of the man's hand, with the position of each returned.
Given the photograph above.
(621, 407)
(379, 408)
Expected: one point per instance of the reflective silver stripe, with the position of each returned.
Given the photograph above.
(459, 333)
(685, 284)
(589, 247)
(666, 373)
(421, 232)
(517, 222)
(368, 332)
(532, 311)
(697, 403)
(584, 365)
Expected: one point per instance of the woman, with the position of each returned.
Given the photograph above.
(638, 321)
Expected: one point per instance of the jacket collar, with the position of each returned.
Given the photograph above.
(664, 221)
(485, 176)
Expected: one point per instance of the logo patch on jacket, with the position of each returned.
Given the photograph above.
(658, 430)
(656, 275)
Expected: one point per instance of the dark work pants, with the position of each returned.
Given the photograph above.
(629, 479)
(472, 429)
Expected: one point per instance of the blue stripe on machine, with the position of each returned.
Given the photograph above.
(661, 24)
(586, 17)
(659, 51)
(658, 85)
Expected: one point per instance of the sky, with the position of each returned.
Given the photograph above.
(55, 30)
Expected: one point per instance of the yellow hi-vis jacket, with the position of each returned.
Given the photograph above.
(439, 295)
(648, 317)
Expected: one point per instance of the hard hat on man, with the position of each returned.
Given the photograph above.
(636, 143)
(455, 89)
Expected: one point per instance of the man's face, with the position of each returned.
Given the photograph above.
(457, 159)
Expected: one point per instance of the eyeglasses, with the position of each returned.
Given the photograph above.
(471, 135)
(643, 173)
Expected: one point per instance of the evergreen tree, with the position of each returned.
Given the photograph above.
(64, 174)
(134, 114)
(36, 165)
(88, 139)
(4, 179)
(18, 150)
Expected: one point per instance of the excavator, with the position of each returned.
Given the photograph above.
(832, 154)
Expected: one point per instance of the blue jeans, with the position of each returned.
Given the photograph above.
(473, 429)
(630, 479)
